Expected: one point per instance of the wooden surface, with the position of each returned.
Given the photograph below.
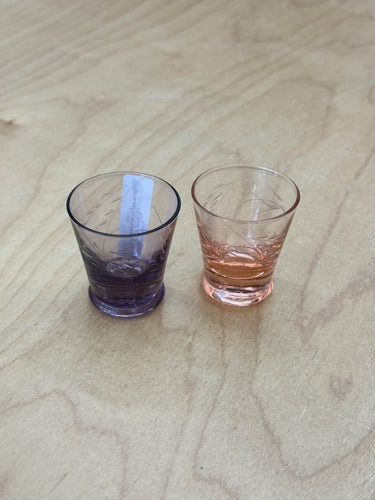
(195, 400)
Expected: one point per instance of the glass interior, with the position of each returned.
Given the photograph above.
(98, 203)
(243, 192)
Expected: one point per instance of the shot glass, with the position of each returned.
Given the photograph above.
(124, 223)
(243, 214)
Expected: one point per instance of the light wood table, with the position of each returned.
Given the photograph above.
(195, 400)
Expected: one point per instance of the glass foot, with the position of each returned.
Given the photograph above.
(128, 308)
(236, 296)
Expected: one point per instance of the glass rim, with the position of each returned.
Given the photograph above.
(124, 172)
(252, 167)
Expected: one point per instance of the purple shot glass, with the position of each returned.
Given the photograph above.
(124, 224)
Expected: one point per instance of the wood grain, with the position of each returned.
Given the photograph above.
(195, 400)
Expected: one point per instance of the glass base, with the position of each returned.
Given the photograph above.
(128, 308)
(236, 296)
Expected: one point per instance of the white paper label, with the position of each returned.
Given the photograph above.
(135, 212)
